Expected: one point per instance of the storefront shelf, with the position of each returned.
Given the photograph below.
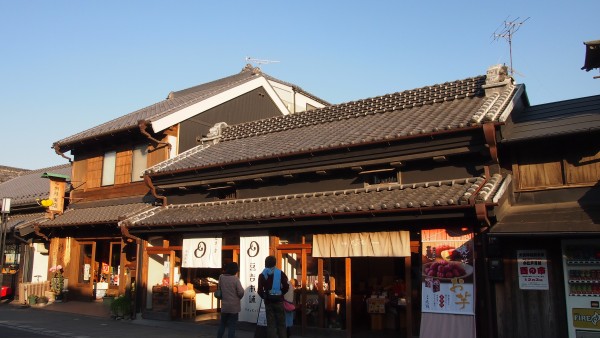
(584, 295)
(584, 281)
(583, 262)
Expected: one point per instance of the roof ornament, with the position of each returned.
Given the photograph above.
(496, 74)
(215, 133)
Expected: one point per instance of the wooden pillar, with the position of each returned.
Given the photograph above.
(321, 312)
(348, 296)
(408, 295)
(303, 291)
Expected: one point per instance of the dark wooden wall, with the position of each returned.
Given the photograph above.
(337, 180)
(531, 313)
(254, 105)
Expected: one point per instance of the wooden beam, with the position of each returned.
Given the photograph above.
(154, 250)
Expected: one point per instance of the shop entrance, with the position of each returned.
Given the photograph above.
(99, 269)
(379, 294)
(374, 290)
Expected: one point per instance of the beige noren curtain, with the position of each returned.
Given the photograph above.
(362, 244)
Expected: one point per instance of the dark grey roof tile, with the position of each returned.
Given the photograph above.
(389, 117)
(175, 101)
(373, 199)
(97, 214)
(30, 186)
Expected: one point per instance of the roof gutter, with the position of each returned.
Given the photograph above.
(143, 125)
(37, 231)
(149, 184)
(489, 132)
(125, 232)
(56, 148)
(19, 238)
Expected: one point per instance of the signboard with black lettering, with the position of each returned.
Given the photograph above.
(254, 248)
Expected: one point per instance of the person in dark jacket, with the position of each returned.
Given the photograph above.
(272, 285)
(230, 303)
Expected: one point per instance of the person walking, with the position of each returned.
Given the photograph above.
(272, 285)
(233, 292)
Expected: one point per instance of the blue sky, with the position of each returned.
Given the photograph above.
(67, 66)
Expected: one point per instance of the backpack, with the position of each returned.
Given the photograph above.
(275, 295)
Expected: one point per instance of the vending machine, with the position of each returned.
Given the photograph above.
(581, 264)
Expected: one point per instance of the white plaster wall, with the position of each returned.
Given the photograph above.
(286, 94)
(40, 264)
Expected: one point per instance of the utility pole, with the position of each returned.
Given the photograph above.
(507, 31)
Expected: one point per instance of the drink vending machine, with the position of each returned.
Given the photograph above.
(581, 264)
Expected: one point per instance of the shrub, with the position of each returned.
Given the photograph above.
(121, 307)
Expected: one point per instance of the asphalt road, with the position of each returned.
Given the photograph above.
(21, 321)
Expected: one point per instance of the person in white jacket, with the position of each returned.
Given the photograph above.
(232, 291)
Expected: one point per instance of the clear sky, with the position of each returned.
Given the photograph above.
(67, 66)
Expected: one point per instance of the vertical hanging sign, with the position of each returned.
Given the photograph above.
(57, 194)
(447, 272)
(254, 248)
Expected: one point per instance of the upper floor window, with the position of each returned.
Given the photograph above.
(383, 176)
(138, 162)
(108, 168)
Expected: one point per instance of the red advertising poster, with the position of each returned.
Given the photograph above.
(447, 271)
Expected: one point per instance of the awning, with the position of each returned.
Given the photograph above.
(362, 244)
(549, 219)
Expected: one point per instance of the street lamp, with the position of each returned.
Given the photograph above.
(5, 211)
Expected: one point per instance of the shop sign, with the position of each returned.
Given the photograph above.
(532, 268)
(254, 248)
(586, 318)
(447, 272)
(57, 194)
(202, 252)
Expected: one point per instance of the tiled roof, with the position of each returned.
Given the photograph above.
(18, 220)
(393, 198)
(581, 115)
(435, 109)
(28, 187)
(7, 173)
(176, 101)
(97, 214)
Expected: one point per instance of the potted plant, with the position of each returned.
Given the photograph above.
(57, 283)
(32, 299)
(121, 307)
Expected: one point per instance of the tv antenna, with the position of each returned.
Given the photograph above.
(507, 31)
(259, 61)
